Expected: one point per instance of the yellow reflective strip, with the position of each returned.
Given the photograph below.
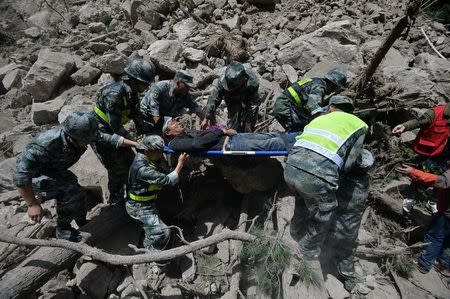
(101, 114)
(304, 81)
(141, 198)
(295, 95)
(320, 140)
(154, 187)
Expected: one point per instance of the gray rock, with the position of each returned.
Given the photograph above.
(248, 29)
(393, 56)
(304, 24)
(193, 55)
(147, 13)
(6, 69)
(92, 12)
(335, 42)
(202, 75)
(142, 26)
(96, 27)
(47, 73)
(86, 75)
(232, 23)
(165, 54)
(33, 32)
(171, 292)
(113, 63)
(97, 279)
(20, 143)
(409, 79)
(335, 288)
(99, 47)
(407, 137)
(18, 98)
(14, 79)
(438, 68)
(47, 112)
(186, 28)
(263, 2)
(218, 3)
(384, 291)
(431, 282)
(290, 72)
(40, 19)
(282, 39)
(6, 166)
(124, 48)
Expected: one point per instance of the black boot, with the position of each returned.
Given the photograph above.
(68, 233)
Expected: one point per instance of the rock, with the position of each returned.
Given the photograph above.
(14, 79)
(304, 24)
(130, 8)
(6, 69)
(86, 75)
(336, 41)
(193, 55)
(20, 143)
(6, 166)
(105, 79)
(97, 279)
(147, 13)
(96, 27)
(232, 23)
(33, 32)
(47, 112)
(218, 3)
(47, 73)
(282, 39)
(170, 292)
(393, 56)
(186, 28)
(165, 54)
(409, 79)
(124, 48)
(290, 72)
(431, 282)
(142, 26)
(439, 69)
(399, 185)
(409, 290)
(40, 19)
(361, 289)
(18, 98)
(263, 2)
(92, 12)
(335, 288)
(407, 137)
(384, 291)
(248, 29)
(202, 75)
(99, 47)
(371, 282)
(113, 63)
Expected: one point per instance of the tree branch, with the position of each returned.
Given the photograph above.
(114, 259)
(388, 251)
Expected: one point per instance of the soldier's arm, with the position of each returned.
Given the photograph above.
(251, 109)
(116, 140)
(421, 122)
(150, 104)
(194, 107)
(213, 102)
(114, 112)
(315, 97)
(153, 176)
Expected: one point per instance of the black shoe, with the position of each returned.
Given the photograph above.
(81, 222)
(68, 233)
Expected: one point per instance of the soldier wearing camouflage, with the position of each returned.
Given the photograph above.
(41, 172)
(239, 88)
(330, 196)
(294, 108)
(116, 104)
(167, 99)
(145, 181)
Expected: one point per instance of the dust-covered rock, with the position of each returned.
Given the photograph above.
(185, 28)
(86, 75)
(335, 288)
(113, 63)
(13, 79)
(47, 112)
(165, 54)
(97, 279)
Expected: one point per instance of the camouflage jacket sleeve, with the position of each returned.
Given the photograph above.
(315, 97)
(114, 140)
(421, 122)
(29, 165)
(113, 103)
(252, 105)
(213, 102)
(152, 176)
(150, 102)
(355, 144)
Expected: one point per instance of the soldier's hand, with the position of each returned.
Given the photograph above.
(398, 129)
(206, 123)
(35, 212)
(229, 132)
(182, 158)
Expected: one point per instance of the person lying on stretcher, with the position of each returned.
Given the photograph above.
(216, 138)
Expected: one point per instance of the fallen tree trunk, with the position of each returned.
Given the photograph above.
(400, 26)
(44, 263)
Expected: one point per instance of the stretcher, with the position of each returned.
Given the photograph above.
(210, 153)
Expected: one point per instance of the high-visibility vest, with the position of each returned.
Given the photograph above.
(295, 90)
(326, 134)
(432, 140)
(150, 194)
(124, 115)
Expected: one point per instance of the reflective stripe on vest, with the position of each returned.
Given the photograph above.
(123, 117)
(294, 90)
(149, 195)
(327, 133)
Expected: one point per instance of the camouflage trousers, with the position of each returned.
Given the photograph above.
(69, 195)
(117, 162)
(156, 232)
(326, 211)
(288, 115)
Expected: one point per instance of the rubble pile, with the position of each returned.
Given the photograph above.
(56, 55)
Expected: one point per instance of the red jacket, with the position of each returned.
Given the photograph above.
(442, 185)
(432, 140)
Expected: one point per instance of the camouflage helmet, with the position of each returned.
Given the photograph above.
(337, 76)
(234, 72)
(151, 143)
(342, 102)
(81, 126)
(141, 70)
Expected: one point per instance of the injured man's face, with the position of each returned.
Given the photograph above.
(173, 128)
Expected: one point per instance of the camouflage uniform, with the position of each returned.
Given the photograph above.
(118, 104)
(242, 104)
(161, 101)
(328, 198)
(293, 117)
(144, 175)
(43, 164)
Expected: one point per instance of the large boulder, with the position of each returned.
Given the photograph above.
(409, 79)
(336, 41)
(92, 12)
(165, 54)
(97, 279)
(393, 56)
(86, 75)
(13, 79)
(113, 63)
(18, 98)
(47, 73)
(47, 112)
(186, 28)
(439, 70)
